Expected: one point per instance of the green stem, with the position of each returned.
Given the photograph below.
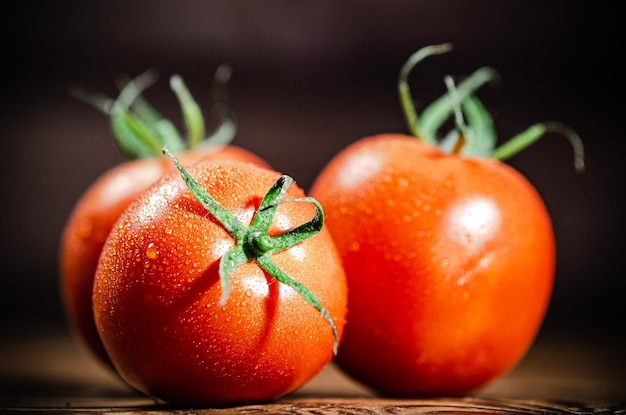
(455, 102)
(481, 132)
(474, 123)
(253, 243)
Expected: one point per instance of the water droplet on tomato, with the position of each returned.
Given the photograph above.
(152, 251)
(465, 277)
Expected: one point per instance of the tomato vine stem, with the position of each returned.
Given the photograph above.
(253, 243)
(474, 133)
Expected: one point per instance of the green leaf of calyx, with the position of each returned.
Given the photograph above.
(226, 219)
(475, 134)
(141, 131)
(191, 112)
(440, 110)
(134, 138)
(164, 129)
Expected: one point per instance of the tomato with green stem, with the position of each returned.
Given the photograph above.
(140, 132)
(213, 290)
(449, 252)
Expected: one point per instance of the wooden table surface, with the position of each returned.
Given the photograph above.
(575, 371)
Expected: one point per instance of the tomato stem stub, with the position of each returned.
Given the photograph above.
(253, 243)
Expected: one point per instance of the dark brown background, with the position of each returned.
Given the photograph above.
(309, 78)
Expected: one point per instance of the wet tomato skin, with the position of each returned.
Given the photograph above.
(93, 217)
(450, 263)
(157, 290)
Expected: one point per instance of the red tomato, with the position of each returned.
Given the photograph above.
(157, 294)
(92, 219)
(107, 197)
(449, 261)
(449, 255)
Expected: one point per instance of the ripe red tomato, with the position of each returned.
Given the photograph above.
(450, 258)
(157, 291)
(92, 219)
(96, 211)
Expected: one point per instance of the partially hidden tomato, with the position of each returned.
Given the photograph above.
(449, 252)
(140, 132)
(237, 295)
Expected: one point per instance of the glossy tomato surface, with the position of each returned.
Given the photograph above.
(157, 292)
(91, 221)
(449, 260)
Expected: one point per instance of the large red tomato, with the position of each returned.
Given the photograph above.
(102, 203)
(449, 260)
(450, 257)
(187, 298)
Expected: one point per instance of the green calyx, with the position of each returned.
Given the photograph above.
(253, 243)
(474, 133)
(141, 131)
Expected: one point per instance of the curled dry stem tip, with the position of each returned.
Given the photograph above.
(574, 139)
(534, 133)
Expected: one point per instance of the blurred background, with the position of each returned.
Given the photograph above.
(309, 78)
